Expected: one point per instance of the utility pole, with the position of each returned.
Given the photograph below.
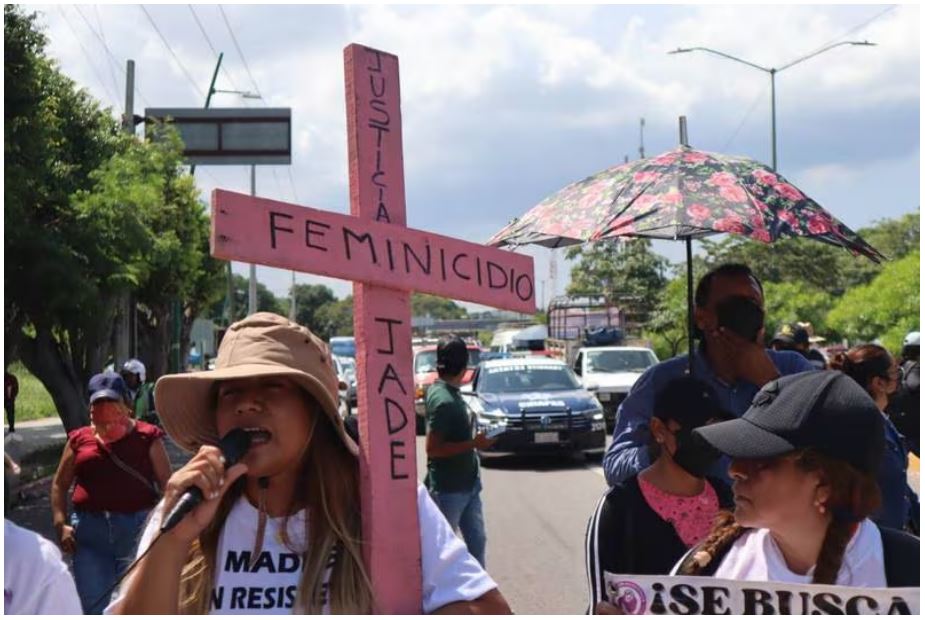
(177, 303)
(771, 71)
(229, 294)
(292, 300)
(124, 344)
(642, 129)
(252, 285)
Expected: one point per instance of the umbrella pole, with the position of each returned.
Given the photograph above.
(690, 308)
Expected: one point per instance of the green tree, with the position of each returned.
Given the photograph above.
(143, 195)
(63, 265)
(886, 309)
(819, 265)
(667, 325)
(335, 319)
(309, 299)
(435, 307)
(90, 214)
(627, 272)
(792, 302)
(266, 300)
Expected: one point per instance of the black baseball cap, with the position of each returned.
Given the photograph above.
(452, 355)
(107, 385)
(823, 410)
(688, 401)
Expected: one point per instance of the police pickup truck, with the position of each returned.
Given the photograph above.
(535, 405)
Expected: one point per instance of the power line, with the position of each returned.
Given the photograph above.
(237, 46)
(205, 35)
(172, 53)
(99, 22)
(111, 56)
(88, 56)
(234, 40)
(863, 24)
(745, 118)
(279, 188)
(295, 194)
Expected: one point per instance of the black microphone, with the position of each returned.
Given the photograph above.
(234, 445)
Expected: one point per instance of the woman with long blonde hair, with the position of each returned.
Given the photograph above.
(279, 531)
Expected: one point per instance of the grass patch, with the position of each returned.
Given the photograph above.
(34, 402)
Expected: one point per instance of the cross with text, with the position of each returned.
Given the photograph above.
(386, 261)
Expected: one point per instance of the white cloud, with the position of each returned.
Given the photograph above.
(502, 104)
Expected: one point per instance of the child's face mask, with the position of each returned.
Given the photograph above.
(110, 419)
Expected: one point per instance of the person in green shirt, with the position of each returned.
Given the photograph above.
(141, 392)
(452, 460)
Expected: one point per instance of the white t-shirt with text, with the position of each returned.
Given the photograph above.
(270, 586)
(755, 556)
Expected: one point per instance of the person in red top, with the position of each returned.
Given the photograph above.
(119, 467)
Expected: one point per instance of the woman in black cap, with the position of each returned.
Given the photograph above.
(805, 459)
(643, 525)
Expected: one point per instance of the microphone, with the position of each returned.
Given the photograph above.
(234, 445)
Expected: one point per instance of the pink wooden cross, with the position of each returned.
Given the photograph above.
(386, 261)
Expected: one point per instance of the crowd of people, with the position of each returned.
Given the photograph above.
(737, 462)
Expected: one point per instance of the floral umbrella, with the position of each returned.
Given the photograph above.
(682, 194)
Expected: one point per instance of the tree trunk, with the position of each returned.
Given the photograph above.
(45, 359)
(154, 340)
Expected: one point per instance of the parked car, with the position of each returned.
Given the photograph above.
(345, 379)
(610, 373)
(343, 346)
(425, 373)
(540, 405)
(350, 378)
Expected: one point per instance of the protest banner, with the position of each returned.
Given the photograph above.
(386, 261)
(687, 596)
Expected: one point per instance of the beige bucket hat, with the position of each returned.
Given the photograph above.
(261, 344)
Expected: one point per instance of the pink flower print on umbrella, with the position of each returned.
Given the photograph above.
(666, 159)
(789, 218)
(788, 191)
(646, 176)
(756, 220)
(692, 186)
(671, 197)
(733, 193)
(592, 195)
(761, 234)
(644, 202)
(729, 225)
(764, 177)
(698, 213)
(622, 225)
(722, 179)
(695, 158)
(818, 225)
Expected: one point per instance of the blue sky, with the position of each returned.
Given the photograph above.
(503, 105)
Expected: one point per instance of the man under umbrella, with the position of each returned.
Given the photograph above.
(684, 195)
(729, 315)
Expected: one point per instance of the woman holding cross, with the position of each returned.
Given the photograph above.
(279, 531)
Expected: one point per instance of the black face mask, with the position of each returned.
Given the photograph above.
(693, 454)
(742, 316)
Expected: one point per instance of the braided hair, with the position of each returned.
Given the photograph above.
(854, 496)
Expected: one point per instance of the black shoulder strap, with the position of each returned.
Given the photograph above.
(900, 558)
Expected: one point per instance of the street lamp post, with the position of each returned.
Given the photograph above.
(772, 71)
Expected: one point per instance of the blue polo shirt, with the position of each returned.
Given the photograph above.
(628, 454)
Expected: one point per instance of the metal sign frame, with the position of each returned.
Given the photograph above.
(228, 136)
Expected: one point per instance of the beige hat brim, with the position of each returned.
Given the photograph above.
(186, 408)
